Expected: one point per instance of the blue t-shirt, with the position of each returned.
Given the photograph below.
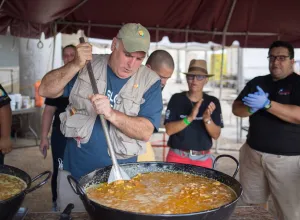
(94, 154)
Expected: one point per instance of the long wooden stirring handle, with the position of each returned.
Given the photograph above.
(102, 119)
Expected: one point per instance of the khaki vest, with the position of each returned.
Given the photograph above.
(78, 120)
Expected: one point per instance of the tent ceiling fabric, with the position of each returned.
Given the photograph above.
(254, 23)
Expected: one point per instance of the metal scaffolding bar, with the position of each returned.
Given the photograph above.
(75, 8)
(223, 48)
(2, 3)
(173, 29)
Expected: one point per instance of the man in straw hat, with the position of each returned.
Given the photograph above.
(193, 118)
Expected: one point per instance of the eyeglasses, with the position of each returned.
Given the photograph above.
(279, 58)
(198, 77)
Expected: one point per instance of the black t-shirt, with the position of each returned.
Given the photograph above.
(60, 103)
(267, 133)
(4, 98)
(194, 136)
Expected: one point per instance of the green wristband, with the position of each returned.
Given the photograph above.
(249, 110)
(186, 121)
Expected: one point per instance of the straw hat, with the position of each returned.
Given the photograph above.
(198, 67)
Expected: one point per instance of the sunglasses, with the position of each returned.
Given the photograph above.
(198, 77)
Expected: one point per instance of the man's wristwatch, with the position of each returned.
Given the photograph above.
(268, 105)
(207, 121)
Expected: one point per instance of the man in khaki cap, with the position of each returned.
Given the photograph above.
(193, 118)
(130, 100)
(135, 37)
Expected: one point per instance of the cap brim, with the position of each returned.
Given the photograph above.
(134, 45)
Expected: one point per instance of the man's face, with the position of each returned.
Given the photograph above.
(196, 83)
(164, 72)
(68, 54)
(123, 63)
(280, 64)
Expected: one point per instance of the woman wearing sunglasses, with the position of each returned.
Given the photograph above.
(193, 119)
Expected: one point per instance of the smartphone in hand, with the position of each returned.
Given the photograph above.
(44, 152)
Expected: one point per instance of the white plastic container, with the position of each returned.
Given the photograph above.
(26, 102)
(32, 103)
(12, 102)
(18, 98)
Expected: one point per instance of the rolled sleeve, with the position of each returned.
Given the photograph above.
(152, 107)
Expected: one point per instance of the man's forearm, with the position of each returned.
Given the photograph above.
(213, 130)
(5, 120)
(54, 82)
(240, 110)
(134, 127)
(288, 113)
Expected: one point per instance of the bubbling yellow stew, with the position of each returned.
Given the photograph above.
(162, 193)
(10, 186)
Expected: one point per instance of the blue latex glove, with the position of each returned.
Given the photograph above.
(253, 110)
(259, 92)
(257, 101)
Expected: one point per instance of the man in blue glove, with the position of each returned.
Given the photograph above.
(256, 101)
(270, 158)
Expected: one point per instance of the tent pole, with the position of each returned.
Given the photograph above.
(223, 47)
(67, 25)
(157, 36)
(178, 78)
(212, 71)
(221, 80)
(241, 82)
(2, 3)
(89, 30)
(54, 44)
(221, 71)
(75, 8)
(63, 17)
(174, 29)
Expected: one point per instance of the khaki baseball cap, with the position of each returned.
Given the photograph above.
(135, 37)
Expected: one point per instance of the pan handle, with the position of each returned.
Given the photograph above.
(233, 158)
(48, 173)
(75, 186)
(79, 190)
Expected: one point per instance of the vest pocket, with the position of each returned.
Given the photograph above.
(131, 149)
(124, 146)
(130, 105)
(84, 90)
(77, 125)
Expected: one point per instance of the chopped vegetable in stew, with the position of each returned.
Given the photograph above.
(10, 186)
(163, 193)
